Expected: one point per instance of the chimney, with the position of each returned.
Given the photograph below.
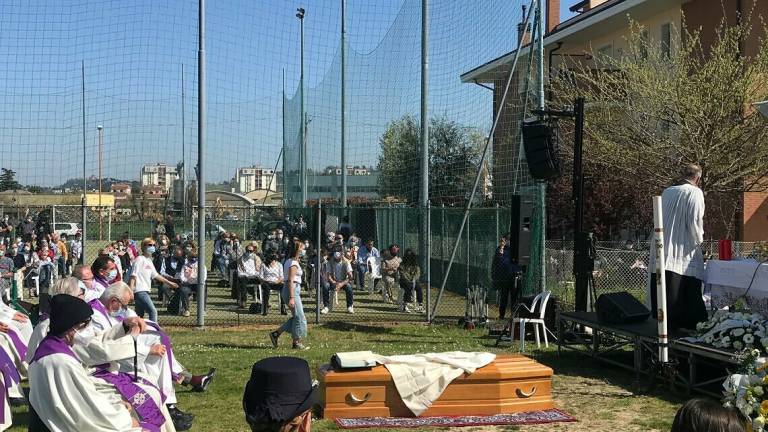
(553, 14)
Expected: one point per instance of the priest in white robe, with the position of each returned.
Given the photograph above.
(65, 396)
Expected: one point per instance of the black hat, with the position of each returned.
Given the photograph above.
(66, 312)
(280, 389)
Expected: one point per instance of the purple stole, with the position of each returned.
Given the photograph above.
(151, 416)
(98, 307)
(21, 347)
(9, 372)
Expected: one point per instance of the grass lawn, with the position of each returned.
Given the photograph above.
(595, 394)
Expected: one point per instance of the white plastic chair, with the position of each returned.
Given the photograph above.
(374, 272)
(541, 301)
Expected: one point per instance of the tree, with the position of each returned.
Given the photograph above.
(657, 108)
(454, 157)
(8, 180)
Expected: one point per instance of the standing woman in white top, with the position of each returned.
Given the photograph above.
(142, 273)
(297, 324)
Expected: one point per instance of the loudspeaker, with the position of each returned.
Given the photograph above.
(520, 230)
(620, 308)
(541, 150)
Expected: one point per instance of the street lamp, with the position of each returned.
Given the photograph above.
(100, 128)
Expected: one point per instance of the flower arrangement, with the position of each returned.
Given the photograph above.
(736, 331)
(748, 391)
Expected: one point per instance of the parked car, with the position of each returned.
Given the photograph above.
(68, 228)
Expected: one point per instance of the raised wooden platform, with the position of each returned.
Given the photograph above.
(512, 383)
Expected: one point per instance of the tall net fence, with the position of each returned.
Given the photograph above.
(103, 95)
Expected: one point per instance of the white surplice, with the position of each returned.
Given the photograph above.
(67, 400)
(155, 368)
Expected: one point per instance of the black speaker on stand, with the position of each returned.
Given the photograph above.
(521, 209)
(541, 149)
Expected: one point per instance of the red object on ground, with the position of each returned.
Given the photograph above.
(724, 250)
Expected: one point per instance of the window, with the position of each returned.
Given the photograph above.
(666, 41)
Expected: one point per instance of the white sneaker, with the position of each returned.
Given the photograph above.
(324, 311)
(350, 310)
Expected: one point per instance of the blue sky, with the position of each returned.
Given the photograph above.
(134, 51)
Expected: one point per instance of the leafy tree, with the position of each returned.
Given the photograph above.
(454, 157)
(8, 180)
(653, 110)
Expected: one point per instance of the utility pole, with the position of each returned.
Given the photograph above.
(302, 127)
(343, 103)
(100, 128)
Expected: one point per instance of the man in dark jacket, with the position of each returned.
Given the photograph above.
(504, 275)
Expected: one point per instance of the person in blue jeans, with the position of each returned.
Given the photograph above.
(366, 251)
(297, 324)
(142, 273)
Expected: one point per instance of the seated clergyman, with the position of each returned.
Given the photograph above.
(67, 398)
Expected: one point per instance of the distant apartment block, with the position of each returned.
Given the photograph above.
(122, 192)
(159, 174)
(253, 178)
(351, 171)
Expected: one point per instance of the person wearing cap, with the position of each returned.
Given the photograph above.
(338, 277)
(67, 398)
(142, 273)
(279, 395)
(390, 271)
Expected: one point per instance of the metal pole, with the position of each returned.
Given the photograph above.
(466, 261)
(479, 171)
(100, 128)
(319, 240)
(201, 256)
(661, 284)
(302, 127)
(282, 151)
(428, 270)
(581, 274)
(84, 209)
(424, 189)
(542, 185)
(109, 224)
(183, 148)
(343, 103)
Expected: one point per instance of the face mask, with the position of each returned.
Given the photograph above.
(120, 313)
(337, 256)
(303, 253)
(151, 250)
(112, 275)
(82, 337)
(81, 285)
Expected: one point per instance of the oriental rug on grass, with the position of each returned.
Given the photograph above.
(524, 418)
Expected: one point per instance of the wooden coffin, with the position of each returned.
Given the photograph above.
(512, 383)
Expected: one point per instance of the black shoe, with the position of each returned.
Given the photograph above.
(264, 311)
(273, 337)
(283, 311)
(176, 413)
(181, 425)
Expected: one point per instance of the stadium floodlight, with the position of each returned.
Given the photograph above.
(762, 108)
(300, 13)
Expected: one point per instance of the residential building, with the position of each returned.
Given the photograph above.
(602, 26)
(323, 186)
(351, 171)
(159, 174)
(153, 192)
(253, 178)
(122, 193)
